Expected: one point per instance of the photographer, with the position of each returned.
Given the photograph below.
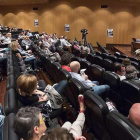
(84, 33)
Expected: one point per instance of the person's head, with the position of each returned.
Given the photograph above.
(83, 54)
(131, 72)
(126, 62)
(75, 66)
(58, 134)
(8, 35)
(26, 84)
(65, 37)
(29, 124)
(119, 69)
(14, 45)
(65, 59)
(134, 114)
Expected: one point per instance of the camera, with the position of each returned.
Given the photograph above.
(84, 31)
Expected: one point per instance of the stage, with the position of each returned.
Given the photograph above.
(125, 50)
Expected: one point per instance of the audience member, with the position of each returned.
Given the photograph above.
(53, 56)
(18, 51)
(131, 73)
(65, 62)
(83, 55)
(7, 39)
(26, 42)
(65, 44)
(98, 89)
(119, 69)
(134, 114)
(29, 123)
(126, 62)
(69, 131)
(27, 89)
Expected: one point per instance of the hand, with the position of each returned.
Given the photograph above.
(29, 51)
(80, 138)
(94, 85)
(43, 98)
(39, 92)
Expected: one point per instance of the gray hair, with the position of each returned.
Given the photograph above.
(131, 72)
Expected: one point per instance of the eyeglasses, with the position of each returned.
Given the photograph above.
(43, 119)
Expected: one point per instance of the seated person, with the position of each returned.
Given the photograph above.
(83, 78)
(7, 39)
(26, 42)
(83, 55)
(65, 44)
(65, 62)
(69, 131)
(134, 114)
(27, 89)
(53, 56)
(131, 73)
(126, 62)
(28, 57)
(119, 69)
(29, 123)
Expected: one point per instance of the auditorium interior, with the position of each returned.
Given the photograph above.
(82, 54)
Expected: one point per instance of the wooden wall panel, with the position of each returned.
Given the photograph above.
(123, 18)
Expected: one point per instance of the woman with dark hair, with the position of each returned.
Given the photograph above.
(65, 62)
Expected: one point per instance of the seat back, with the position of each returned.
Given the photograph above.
(98, 53)
(113, 81)
(10, 102)
(76, 59)
(74, 88)
(120, 128)
(135, 64)
(120, 60)
(117, 54)
(130, 93)
(96, 111)
(98, 60)
(56, 67)
(64, 75)
(8, 132)
(97, 73)
(86, 65)
(90, 58)
(112, 58)
(108, 65)
(104, 55)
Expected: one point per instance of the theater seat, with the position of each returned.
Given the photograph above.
(8, 132)
(73, 89)
(104, 55)
(112, 58)
(108, 65)
(120, 60)
(97, 73)
(120, 128)
(90, 58)
(135, 64)
(113, 81)
(10, 70)
(130, 93)
(10, 102)
(86, 65)
(64, 75)
(76, 59)
(98, 60)
(117, 54)
(42, 85)
(56, 67)
(10, 82)
(96, 111)
(98, 53)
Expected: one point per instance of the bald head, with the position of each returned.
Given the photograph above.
(75, 66)
(134, 114)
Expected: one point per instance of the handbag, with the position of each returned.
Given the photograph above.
(54, 97)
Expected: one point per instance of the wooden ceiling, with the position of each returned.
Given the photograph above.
(22, 2)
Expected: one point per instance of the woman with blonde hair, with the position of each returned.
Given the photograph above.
(18, 52)
(27, 89)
